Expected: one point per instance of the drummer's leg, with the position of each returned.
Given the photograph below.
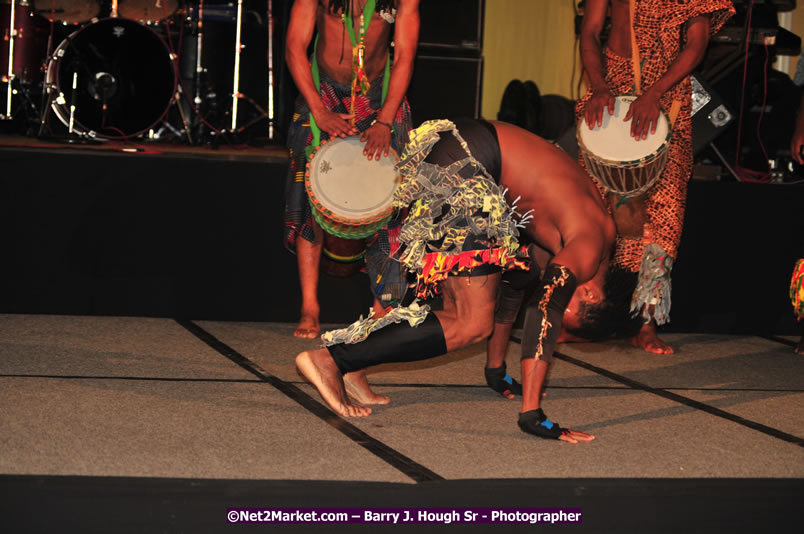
(665, 220)
(308, 257)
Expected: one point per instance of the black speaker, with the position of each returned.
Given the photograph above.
(444, 87)
(448, 70)
(710, 115)
(451, 23)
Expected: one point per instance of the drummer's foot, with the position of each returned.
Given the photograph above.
(648, 340)
(308, 327)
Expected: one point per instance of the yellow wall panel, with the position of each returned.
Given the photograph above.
(529, 40)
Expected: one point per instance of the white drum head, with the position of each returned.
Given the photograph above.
(612, 141)
(344, 181)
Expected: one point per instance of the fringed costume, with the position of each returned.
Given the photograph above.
(458, 224)
(659, 31)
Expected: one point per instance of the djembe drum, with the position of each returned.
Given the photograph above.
(624, 166)
(350, 197)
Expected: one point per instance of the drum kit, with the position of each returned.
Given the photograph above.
(108, 69)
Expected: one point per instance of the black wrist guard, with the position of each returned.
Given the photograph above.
(536, 423)
(500, 381)
(546, 312)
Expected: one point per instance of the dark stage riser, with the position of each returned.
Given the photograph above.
(153, 236)
(165, 236)
(738, 249)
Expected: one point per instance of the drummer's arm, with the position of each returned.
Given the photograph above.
(300, 33)
(406, 37)
(645, 109)
(594, 17)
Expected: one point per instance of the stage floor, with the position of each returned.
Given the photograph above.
(154, 424)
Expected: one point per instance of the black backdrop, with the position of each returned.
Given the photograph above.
(164, 236)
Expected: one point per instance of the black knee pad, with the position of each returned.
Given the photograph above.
(398, 342)
(513, 287)
(523, 280)
(508, 303)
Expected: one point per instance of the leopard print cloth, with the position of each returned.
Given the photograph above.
(659, 29)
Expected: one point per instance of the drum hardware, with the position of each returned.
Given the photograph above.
(193, 90)
(236, 94)
(199, 68)
(184, 121)
(71, 125)
(263, 114)
(9, 78)
(238, 49)
(21, 69)
(270, 114)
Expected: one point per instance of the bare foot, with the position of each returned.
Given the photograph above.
(799, 349)
(308, 327)
(318, 367)
(357, 387)
(648, 340)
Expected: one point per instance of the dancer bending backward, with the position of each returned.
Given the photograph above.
(471, 188)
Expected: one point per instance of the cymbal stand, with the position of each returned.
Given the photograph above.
(270, 69)
(199, 67)
(9, 78)
(236, 94)
(236, 78)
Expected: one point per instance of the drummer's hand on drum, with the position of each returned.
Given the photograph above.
(335, 124)
(378, 140)
(601, 100)
(644, 115)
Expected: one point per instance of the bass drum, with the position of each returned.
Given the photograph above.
(118, 75)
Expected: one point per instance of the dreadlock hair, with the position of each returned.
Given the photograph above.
(338, 6)
(612, 315)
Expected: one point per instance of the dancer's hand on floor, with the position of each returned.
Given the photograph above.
(574, 436)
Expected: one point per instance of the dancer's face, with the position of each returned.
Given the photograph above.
(587, 294)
